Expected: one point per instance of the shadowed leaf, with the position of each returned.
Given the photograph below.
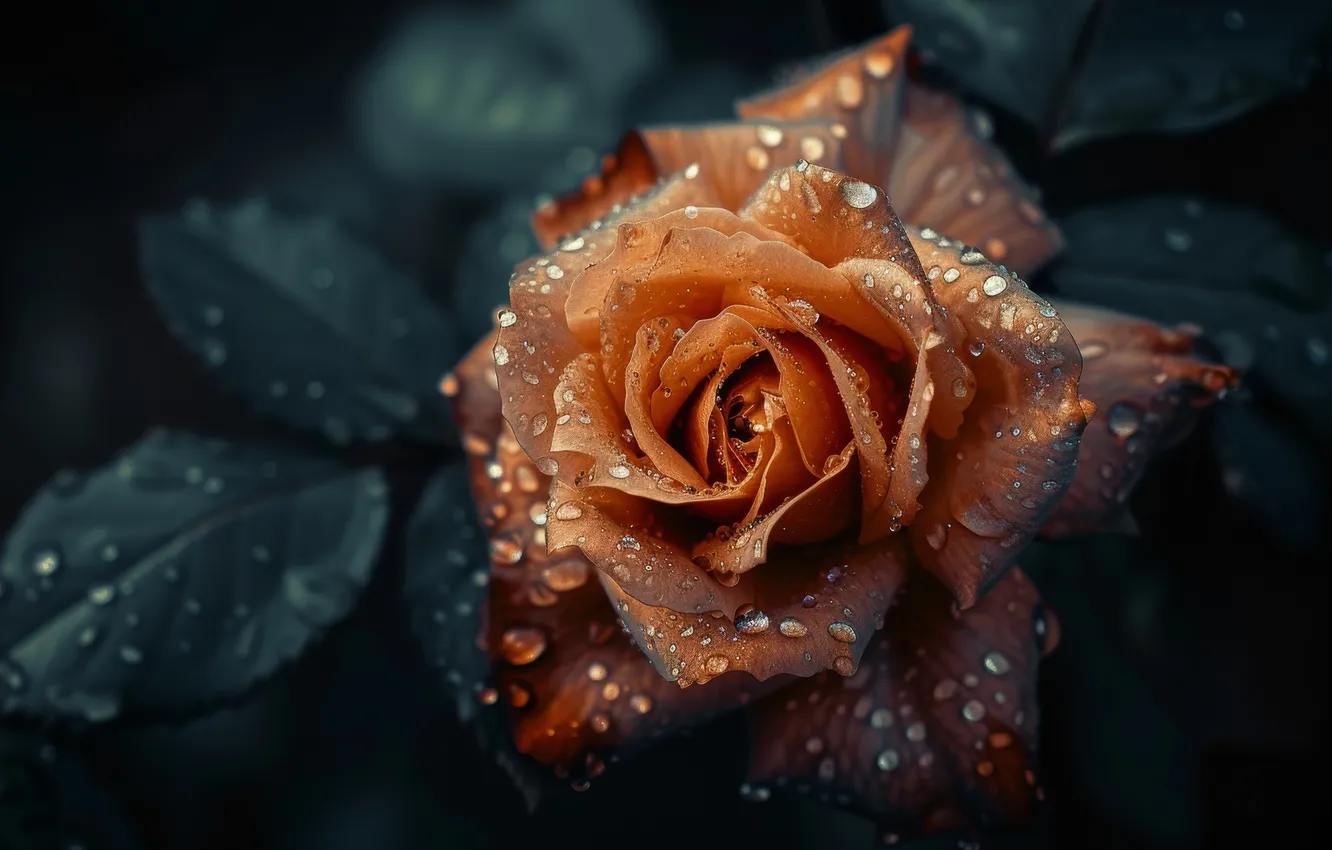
(186, 571)
(307, 324)
(49, 801)
(445, 587)
(1142, 66)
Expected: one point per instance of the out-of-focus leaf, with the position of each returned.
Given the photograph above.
(186, 571)
(1013, 53)
(49, 802)
(1262, 298)
(1275, 474)
(307, 324)
(495, 245)
(1079, 73)
(1109, 743)
(447, 576)
(492, 99)
(1260, 294)
(1185, 65)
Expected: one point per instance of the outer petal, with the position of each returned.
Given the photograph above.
(736, 158)
(625, 175)
(938, 728)
(812, 608)
(995, 484)
(924, 147)
(946, 176)
(861, 91)
(1148, 388)
(535, 342)
(851, 227)
(575, 688)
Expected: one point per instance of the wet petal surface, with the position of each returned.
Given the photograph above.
(937, 730)
(1149, 387)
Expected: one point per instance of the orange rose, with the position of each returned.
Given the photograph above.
(749, 401)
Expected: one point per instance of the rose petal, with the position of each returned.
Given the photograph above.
(1148, 388)
(1001, 478)
(644, 277)
(633, 541)
(813, 608)
(696, 263)
(535, 341)
(850, 225)
(923, 147)
(626, 174)
(576, 690)
(736, 158)
(862, 375)
(861, 91)
(812, 512)
(937, 729)
(947, 177)
(653, 348)
(717, 346)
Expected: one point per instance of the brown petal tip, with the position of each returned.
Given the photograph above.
(937, 730)
(1148, 385)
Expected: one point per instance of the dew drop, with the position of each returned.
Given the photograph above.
(565, 575)
(842, 632)
(857, 194)
(792, 628)
(568, 511)
(46, 562)
(717, 664)
(752, 622)
(974, 710)
(994, 284)
(522, 645)
(102, 594)
(996, 663)
(888, 760)
(1124, 420)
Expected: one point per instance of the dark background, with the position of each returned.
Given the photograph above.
(1187, 705)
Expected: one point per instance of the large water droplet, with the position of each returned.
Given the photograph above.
(752, 621)
(1124, 420)
(843, 632)
(996, 663)
(793, 628)
(565, 575)
(887, 760)
(857, 194)
(522, 645)
(46, 562)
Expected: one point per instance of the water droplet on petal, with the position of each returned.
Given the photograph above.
(522, 645)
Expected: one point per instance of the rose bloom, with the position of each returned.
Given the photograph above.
(778, 402)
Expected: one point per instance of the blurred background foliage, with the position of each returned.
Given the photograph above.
(1182, 145)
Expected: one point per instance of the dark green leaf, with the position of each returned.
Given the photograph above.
(1013, 53)
(1186, 65)
(307, 324)
(1261, 297)
(1087, 69)
(186, 571)
(49, 802)
(1260, 294)
(448, 574)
